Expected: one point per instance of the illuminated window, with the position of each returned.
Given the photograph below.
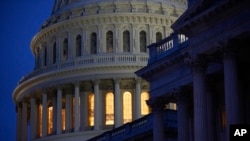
(78, 45)
(143, 41)
(40, 109)
(126, 41)
(54, 53)
(144, 106)
(63, 119)
(93, 43)
(127, 107)
(109, 109)
(223, 119)
(158, 36)
(65, 49)
(109, 41)
(91, 109)
(50, 120)
(171, 106)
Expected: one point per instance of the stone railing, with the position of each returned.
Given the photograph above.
(90, 61)
(167, 46)
(138, 127)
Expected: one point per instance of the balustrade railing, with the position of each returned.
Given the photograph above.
(84, 61)
(167, 46)
(138, 127)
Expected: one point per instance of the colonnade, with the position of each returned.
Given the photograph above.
(203, 127)
(75, 104)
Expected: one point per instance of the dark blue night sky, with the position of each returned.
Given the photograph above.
(19, 22)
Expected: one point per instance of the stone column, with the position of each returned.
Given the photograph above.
(157, 106)
(19, 122)
(44, 114)
(24, 122)
(200, 104)
(182, 115)
(76, 107)
(211, 116)
(54, 104)
(118, 103)
(68, 111)
(33, 118)
(59, 111)
(97, 106)
(232, 98)
(138, 98)
(83, 111)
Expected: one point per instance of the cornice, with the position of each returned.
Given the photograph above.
(72, 75)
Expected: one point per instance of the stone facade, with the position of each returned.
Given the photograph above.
(202, 67)
(89, 49)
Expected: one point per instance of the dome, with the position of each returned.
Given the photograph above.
(62, 5)
(88, 51)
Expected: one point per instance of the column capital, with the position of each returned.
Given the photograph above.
(197, 63)
(180, 95)
(138, 79)
(96, 81)
(76, 83)
(117, 79)
(156, 103)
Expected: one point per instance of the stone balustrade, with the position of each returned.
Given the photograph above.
(89, 60)
(137, 127)
(167, 46)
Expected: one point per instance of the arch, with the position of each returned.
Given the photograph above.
(143, 41)
(127, 107)
(109, 42)
(91, 99)
(144, 106)
(126, 41)
(65, 49)
(54, 53)
(158, 36)
(93, 43)
(50, 119)
(78, 45)
(109, 108)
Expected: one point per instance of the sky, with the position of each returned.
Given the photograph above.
(20, 20)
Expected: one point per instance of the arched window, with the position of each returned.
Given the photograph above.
(91, 109)
(65, 49)
(144, 106)
(40, 109)
(45, 56)
(109, 41)
(54, 53)
(109, 108)
(93, 43)
(78, 45)
(126, 41)
(50, 120)
(127, 107)
(158, 36)
(143, 41)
